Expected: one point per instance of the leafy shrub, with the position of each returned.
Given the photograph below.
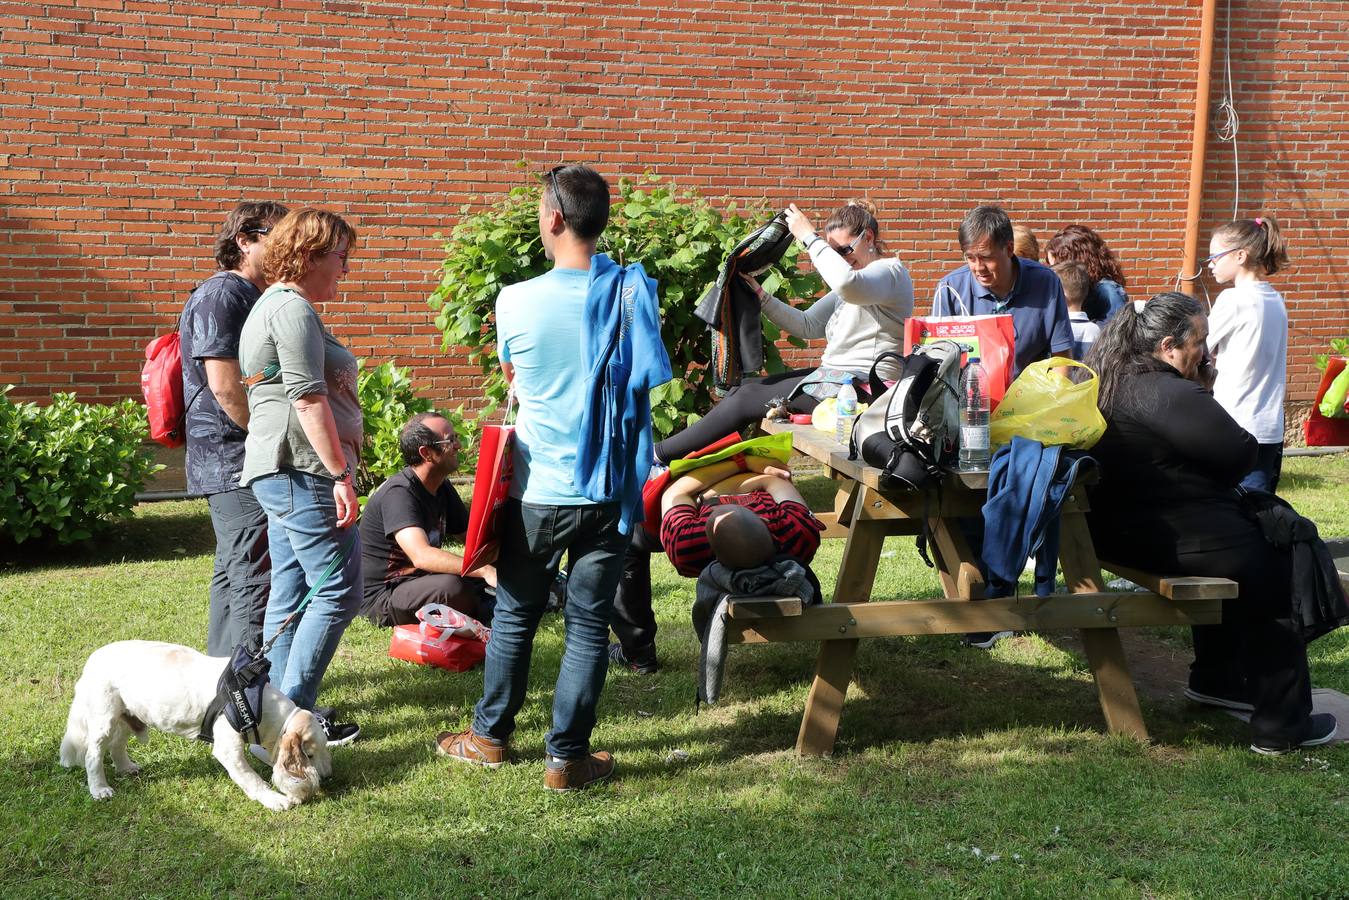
(388, 400)
(681, 240)
(69, 470)
(1338, 347)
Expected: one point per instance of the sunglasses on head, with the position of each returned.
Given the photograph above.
(557, 195)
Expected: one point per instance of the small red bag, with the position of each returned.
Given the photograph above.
(1319, 430)
(162, 385)
(491, 488)
(444, 638)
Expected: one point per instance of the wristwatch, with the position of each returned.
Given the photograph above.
(344, 474)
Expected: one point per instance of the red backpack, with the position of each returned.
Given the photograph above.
(162, 385)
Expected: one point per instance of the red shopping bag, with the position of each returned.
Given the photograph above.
(444, 637)
(1319, 430)
(491, 488)
(991, 338)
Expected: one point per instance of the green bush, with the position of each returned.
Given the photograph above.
(681, 240)
(69, 470)
(388, 400)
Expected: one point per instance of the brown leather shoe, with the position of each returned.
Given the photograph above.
(575, 774)
(466, 746)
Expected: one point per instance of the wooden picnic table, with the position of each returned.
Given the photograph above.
(866, 513)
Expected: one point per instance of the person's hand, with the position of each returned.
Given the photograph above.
(1206, 373)
(487, 573)
(799, 224)
(755, 287)
(779, 472)
(348, 507)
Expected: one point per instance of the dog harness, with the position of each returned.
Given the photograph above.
(238, 694)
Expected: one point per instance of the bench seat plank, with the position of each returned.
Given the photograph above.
(763, 607)
(1177, 587)
(893, 618)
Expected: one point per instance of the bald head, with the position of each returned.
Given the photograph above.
(739, 539)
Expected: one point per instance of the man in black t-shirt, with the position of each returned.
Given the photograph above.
(403, 526)
(217, 423)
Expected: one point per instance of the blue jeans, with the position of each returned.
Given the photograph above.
(532, 537)
(1268, 468)
(304, 537)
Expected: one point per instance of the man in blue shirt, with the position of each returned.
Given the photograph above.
(995, 280)
(539, 335)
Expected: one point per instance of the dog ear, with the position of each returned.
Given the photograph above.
(290, 755)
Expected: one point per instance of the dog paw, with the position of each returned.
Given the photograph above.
(101, 793)
(130, 768)
(276, 802)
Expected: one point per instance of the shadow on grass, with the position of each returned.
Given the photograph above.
(156, 531)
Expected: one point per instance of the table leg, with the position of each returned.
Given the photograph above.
(1105, 652)
(834, 666)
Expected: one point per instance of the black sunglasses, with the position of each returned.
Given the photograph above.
(847, 250)
(557, 195)
(259, 232)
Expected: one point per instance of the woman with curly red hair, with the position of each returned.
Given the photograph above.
(1078, 243)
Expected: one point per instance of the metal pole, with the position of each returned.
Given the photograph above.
(1199, 143)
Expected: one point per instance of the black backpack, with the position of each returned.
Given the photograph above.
(911, 430)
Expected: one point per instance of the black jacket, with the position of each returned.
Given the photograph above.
(1319, 602)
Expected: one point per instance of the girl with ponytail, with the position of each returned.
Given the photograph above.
(1248, 337)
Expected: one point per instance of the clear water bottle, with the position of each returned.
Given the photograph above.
(847, 411)
(974, 407)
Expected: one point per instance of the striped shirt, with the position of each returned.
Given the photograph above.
(683, 530)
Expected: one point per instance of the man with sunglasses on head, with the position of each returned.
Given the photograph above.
(581, 348)
(217, 423)
(404, 523)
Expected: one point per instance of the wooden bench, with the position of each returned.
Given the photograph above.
(866, 513)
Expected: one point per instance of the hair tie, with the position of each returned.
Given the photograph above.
(1259, 221)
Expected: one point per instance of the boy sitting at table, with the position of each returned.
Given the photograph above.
(759, 485)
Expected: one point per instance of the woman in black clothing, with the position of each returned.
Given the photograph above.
(1170, 460)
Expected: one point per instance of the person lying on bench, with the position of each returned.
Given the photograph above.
(758, 485)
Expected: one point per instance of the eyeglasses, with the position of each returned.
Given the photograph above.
(557, 195)
(453, 440)
(1212, 257)
(259, 232)
(847, 250)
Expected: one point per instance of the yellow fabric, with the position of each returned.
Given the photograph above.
(1045, 406)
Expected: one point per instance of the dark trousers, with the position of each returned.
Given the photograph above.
(1268, 468)
(1257, 643)
(742, 406)
(398, 605)
(531, 538)
(242, 578)
(634, 620)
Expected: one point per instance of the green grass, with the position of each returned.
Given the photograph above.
(957, 772)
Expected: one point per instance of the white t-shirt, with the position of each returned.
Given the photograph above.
(1248, 337)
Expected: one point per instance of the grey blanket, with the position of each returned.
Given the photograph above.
(717, 586)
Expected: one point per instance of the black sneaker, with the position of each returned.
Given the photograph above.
(326, 712)
(1236, 699)
(338, 733)
(643, 665)
(984, 640)
(1321, 729)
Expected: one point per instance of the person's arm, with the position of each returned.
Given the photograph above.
(1197, 427)
(1061, 329)
(316, 419)
(414, 543)
(804, 323)
(509, 371)
(777, 486)
(224, 378)
(684, 490)
(873, 285)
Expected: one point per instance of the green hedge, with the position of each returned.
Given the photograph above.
(69, 470)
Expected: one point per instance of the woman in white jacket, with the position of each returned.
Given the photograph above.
(871, 294)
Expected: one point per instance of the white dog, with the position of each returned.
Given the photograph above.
(131, 686)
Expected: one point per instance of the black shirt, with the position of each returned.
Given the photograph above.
(209, 329)
(404, 502)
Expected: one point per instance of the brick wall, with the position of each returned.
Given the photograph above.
(130, 127)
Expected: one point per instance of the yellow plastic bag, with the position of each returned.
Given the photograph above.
(1044, 406)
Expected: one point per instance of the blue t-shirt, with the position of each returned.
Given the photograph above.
(539, 333)
(1037, 306)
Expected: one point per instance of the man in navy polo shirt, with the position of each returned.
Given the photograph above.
(995, 280)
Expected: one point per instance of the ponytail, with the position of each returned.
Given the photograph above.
(1261, 239)
(1127, 344)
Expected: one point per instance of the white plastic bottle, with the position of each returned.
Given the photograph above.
(847, 412)
(974, 408)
